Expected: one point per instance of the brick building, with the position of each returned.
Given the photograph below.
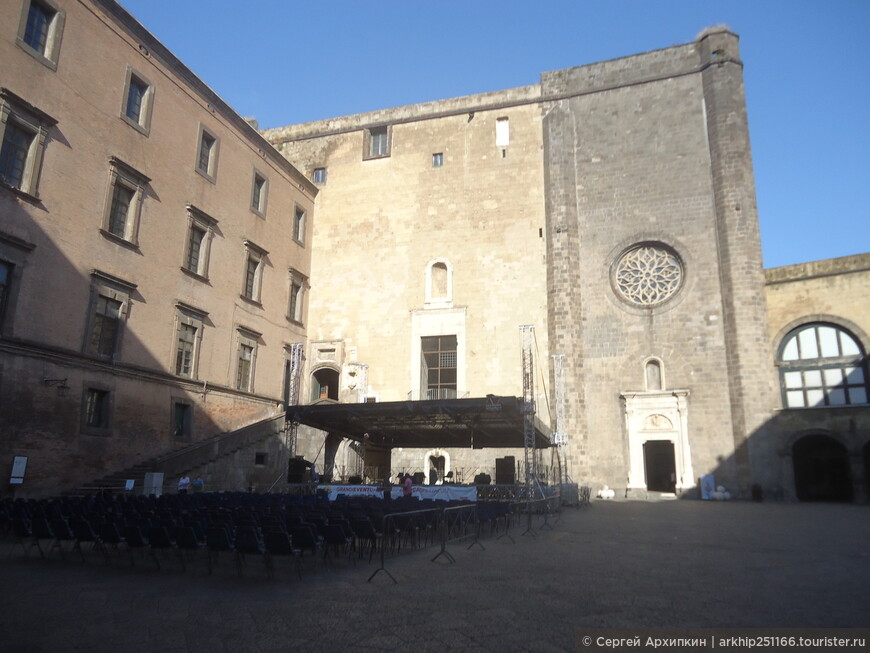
(153, 253)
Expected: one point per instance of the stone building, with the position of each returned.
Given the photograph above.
(612, 207)
(161, 275)
(154, 256)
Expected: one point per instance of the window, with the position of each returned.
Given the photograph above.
(40, 30)
(299, 226)
(124, 203)
(182, 418)
(245, 359)
(253, 280)
(376, 142)
(259, 192)
(207, 153)
(822, 365)
(106, 327)
(437, 160)
(110, 298)
(320, 175)
(297, 294)
(14, 255)
(24, 130)
(138, 101)
(261, 458)
(502, 132)
(96, 410)
(438, 367)
(200, 231)
(653, 375)
(439, 284)
(5, 288)
(188, 336)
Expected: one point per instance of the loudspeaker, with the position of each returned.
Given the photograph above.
(296, 470)
(505, 471)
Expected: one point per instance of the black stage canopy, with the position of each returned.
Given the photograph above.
(479, 423)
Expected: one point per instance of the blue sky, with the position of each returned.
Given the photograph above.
(807, 81)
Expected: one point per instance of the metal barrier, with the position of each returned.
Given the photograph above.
(449, 524)
(453, 525)
(397, 526)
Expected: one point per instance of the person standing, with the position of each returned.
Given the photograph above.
(183, 484)
(407, 486)
(198, 484)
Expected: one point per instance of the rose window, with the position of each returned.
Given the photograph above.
(648, 274)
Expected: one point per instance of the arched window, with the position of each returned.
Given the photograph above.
(653, 375)
(439, 283)
(822, 365)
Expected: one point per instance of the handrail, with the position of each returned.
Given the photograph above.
(217, 439)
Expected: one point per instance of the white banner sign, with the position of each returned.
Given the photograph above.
(447, 492)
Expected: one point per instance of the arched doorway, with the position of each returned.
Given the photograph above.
(324, 384)
(821, 470)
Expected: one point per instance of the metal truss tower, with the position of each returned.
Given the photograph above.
(527, 334)
(294, 381)
(560, 436)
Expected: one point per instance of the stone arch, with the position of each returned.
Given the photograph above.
(653, 374)
(822, 470)
(439, 283)
(430, 461)
(324, 383)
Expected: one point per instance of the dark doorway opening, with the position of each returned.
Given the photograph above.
(660, 466)
(436, 469)
(821, 470)
(324, 384)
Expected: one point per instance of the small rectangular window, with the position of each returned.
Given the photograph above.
(207, 154)
(261, 458)
(182, 419)
(23, 134)
(259, 191)
(502, 132)
(437, 160)
(138, 101)
(13, 155)
(320, 175)
(245, 360)
(297, 294)
(5, 288)
(106, 325)
(119, 212)
(96, 406)
(40, 29)
(200, 229)
(124, 202)
(96, 411)
(110, 297)
(299, 226)
(253, 279)
(188, 336)
(377, 142)
(184, 350)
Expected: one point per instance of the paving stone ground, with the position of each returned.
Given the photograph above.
(608, 565)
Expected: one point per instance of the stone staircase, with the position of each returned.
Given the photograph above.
(186, 459)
